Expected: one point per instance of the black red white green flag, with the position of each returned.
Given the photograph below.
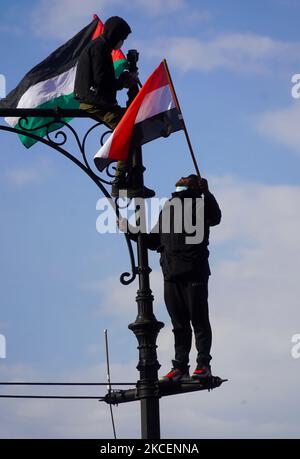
(153, 114)
(51, 83)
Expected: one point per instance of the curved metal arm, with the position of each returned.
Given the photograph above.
(134, 270)
(57, 139)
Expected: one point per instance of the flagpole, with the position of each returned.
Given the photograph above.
(182, 119)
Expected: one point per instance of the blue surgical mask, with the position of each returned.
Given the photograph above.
(180, 188)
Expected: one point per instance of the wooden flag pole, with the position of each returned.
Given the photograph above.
(182, 119)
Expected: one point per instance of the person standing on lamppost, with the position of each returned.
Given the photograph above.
(186, 273)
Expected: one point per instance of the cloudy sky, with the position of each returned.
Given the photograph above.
(232, 63)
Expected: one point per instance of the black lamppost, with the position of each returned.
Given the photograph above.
(146, 329)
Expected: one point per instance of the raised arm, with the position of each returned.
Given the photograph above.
(212, 210)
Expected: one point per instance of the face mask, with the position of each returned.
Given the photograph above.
(180, 188)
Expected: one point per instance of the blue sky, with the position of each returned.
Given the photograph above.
(232, 64)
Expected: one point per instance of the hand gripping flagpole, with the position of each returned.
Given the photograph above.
(182, 119)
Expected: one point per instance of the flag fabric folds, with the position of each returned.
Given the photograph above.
(151, 115)
(51, 83)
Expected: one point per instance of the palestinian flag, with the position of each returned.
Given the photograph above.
(51, 83)
(154, 113)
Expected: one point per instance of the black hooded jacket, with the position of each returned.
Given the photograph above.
(179, 258)
(95, 81)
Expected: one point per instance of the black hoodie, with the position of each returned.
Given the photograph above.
(177, 257)
(95, 81)
(115, 29)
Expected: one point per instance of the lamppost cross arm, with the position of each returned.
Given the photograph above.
(164, 389)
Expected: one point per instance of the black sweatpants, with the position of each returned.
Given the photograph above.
(187, 304)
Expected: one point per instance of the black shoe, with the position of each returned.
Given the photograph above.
(143, 192)
(120, 181)
(176, 375)
(118, 184)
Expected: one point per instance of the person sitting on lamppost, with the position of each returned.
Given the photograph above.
(96, 87)
(186, 272)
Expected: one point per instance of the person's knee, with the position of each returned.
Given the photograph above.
(182, 329)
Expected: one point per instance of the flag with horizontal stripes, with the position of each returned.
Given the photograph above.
(152, 114)
(51, 83)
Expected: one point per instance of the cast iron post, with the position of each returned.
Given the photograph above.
(146, 327)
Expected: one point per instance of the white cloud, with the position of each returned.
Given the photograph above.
(282, 126)
(120, 301)
(22, 177)
(63, 18)
(158, 7)
(32, 174)
(239, 52)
